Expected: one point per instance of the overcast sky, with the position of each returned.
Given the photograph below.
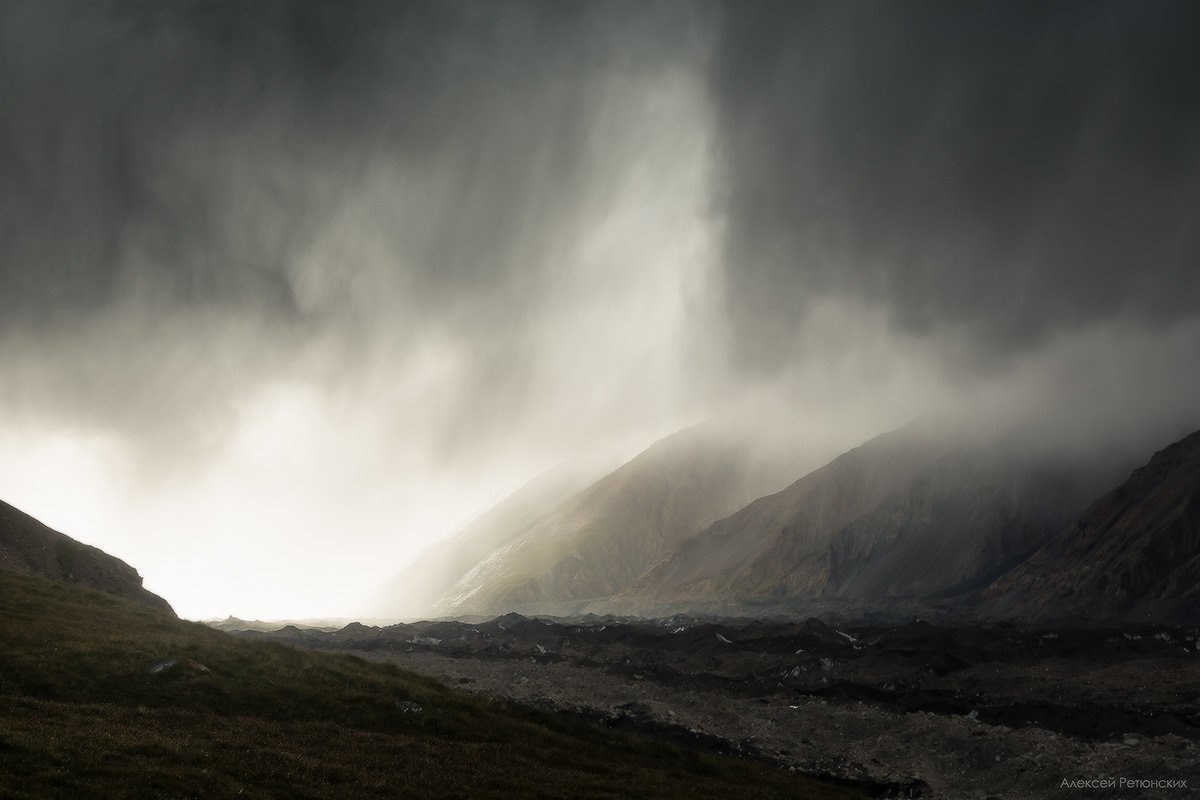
(290, 289)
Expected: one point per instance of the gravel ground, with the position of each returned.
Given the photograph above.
(944, 755)
(942, 711)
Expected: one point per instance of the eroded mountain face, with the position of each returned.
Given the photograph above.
(1134, 552)
(902, 710)
(29, 547)
(907, 520)
(601, 540)
(913, 514)
(417, 589)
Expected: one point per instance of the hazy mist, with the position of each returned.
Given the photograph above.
(289, 290)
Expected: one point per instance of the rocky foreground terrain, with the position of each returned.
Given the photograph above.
(903, 710)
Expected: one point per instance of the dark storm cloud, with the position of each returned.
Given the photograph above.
(289, 288)
(179, 176)
(196, 192)
(998, 171)
(104, 102)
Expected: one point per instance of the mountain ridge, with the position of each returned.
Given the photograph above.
(924, 518)
(1134, 551)
(604, 537)
(29, 547)
(419, 586)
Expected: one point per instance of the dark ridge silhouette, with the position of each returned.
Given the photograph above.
(1135, 552)
(30, 548)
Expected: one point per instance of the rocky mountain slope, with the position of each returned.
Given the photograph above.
(969, 517)
(600, 540)
(902, 523)
(418, 587)
(913, 514)
(1134, 552)
(29, 547)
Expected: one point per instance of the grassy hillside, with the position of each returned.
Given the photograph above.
(30, 548)
(83, 715)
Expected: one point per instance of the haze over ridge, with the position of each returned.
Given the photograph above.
(290, 289)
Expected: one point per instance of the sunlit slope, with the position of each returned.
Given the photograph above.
(916, 513)
(86, 715)
(417, 588)
(1133, 552)
(602, 539)
(29, 547)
